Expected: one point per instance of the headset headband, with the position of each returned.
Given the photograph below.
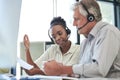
(90, 17)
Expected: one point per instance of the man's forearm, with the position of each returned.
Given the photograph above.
(67, 70)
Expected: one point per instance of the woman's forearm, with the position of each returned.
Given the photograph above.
(34, 71)
(29, 58)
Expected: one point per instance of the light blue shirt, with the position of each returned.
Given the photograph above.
(100, 52)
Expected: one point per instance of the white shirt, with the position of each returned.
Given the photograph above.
(100, 52)
(54, 52)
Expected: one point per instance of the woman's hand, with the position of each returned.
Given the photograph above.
(26, 42)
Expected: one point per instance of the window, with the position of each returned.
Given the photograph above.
(114, 5)
(105, 8)
(117, 15)
(66, 12)
(36, 16)
(118, 1)
(35, 19)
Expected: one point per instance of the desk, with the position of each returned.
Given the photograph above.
(99, 79)
(42, 77)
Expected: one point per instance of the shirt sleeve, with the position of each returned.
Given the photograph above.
(104, 53)
(43, 57)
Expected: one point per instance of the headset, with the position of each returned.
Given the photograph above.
(68, 31)
(90, 17)
(58, 21)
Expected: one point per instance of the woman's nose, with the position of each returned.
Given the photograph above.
(57, 38)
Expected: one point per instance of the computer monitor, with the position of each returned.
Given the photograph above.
(9, 27)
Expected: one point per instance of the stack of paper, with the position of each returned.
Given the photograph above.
(24, 64)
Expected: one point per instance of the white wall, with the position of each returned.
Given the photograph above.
(9, 25)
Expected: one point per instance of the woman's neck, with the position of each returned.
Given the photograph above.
(66, 47)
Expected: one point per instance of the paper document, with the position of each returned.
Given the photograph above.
(24, 64)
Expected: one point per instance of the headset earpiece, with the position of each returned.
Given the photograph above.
(68, 31)
(49, 34)
(90, 17)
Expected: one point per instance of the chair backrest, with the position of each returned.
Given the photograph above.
(36, 50)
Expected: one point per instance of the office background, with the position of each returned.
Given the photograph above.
(36, 16)
(33, 17)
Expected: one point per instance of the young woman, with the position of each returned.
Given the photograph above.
(63, 51)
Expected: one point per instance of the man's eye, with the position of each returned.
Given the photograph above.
(60, 33)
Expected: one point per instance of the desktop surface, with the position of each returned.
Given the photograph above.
(43, 77)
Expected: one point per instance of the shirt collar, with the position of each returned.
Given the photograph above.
(70, 51)
(99, 25)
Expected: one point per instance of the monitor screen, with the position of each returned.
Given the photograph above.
(9, 26)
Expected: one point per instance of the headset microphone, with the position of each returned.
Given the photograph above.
(90, 17)
(83, 25)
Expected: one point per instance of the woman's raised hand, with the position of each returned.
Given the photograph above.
(26, 41)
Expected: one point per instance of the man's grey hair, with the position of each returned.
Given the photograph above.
(91, 5)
